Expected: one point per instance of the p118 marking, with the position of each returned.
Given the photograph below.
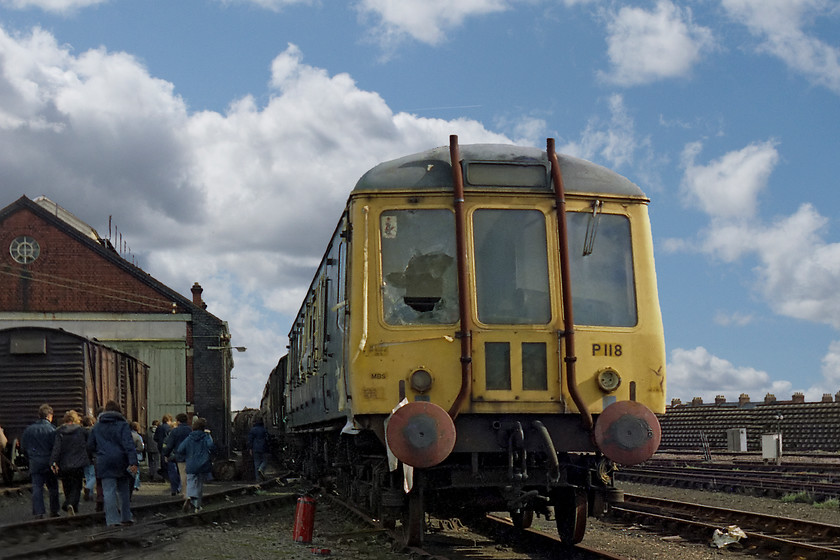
(606, 349)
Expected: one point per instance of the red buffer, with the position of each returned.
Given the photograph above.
(420, 434)
(628, 433)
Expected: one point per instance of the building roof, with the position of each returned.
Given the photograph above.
(77, 229)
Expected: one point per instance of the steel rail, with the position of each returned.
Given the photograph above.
(789, 536)
(763, 483)
(87, 532)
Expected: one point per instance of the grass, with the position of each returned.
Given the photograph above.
(831, 503)
(798, 498)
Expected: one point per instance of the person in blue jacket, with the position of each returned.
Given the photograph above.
(116, 462)
(197, 450)
(37, 441)
(178, 468)
(257, 443)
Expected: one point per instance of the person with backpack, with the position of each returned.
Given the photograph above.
(197, 450)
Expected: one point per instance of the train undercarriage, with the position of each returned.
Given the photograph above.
(517, 480)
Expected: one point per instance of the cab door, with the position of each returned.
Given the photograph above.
(515, 342)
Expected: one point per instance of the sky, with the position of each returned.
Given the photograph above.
(222, 137)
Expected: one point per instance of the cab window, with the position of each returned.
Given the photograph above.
(419, 273)
(601, 267)
(511, 267)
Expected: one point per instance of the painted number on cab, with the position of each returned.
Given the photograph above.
(606, 349)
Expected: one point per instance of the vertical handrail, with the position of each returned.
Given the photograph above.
(465, 333)
(568, 332)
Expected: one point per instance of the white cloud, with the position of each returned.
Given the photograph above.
(55, 6)
(426, 21)
(831, 366)
(780, 26)
(613, 142)
(646, 46)
(242, 201)
(698, 373)
(274, 5)
(729, 186)
(736, 318)
(798, 270)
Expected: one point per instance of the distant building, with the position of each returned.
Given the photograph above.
(58, 272)
(805, 426)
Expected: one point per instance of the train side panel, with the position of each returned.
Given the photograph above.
(316, 362)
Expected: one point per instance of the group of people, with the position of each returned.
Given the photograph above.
(184, 454)
(104, 454)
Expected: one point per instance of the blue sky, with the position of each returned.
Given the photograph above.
(223, 138)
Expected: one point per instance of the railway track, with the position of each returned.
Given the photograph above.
(489, 537)
(73, 535)
(86, 536)
(766, 535)
(741, 479)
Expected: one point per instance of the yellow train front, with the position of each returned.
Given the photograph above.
(481, 337)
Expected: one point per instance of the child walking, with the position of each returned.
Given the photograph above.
(197, 448)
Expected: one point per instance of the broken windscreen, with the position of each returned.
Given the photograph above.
(419, 280)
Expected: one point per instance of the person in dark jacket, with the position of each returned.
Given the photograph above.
(153, 451)
(69, 459)
(170, 450)
(257, 443)
(197, 450)
(116, 462)
(37, 441)
(90, 471)
(160, 436)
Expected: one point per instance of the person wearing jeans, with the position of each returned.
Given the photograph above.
(116, 462)
(37, 441)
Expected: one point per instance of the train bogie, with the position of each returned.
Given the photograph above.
(493, 323)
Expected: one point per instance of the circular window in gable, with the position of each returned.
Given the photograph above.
(24, 249)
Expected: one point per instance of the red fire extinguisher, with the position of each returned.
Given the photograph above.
(304, 520)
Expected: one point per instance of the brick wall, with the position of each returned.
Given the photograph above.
(68, 276)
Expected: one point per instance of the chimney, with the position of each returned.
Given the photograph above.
(769, 398)
(678, 402)
(798, 398)
(720, 399)
(827, 397)
(196, 292)
(696, 401)
(743, 399)
(837, 396)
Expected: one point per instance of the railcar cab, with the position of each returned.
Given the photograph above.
(408, 259)
(445, 330)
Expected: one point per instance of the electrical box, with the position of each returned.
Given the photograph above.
(771, 446)
(736, 439)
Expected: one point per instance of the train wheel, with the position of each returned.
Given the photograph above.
(522, 518)
(570, 508)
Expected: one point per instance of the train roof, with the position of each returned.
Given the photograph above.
(502, 166)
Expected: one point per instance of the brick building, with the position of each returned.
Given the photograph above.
(57, 272)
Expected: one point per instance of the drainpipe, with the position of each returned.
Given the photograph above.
(465, 333)
(568, 333)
